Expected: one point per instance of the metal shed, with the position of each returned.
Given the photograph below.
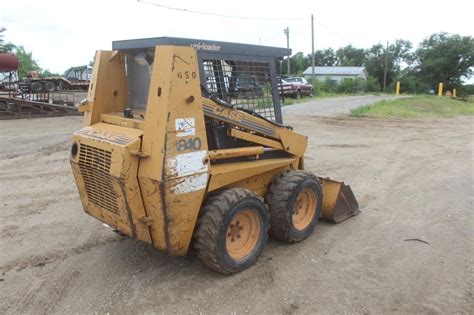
(337, 74)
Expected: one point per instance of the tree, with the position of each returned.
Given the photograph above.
(445, 58)
(410, 82)
(398, 54)
(324, 58)
(350, 56)
(7, 48)
(298, 64)
(2, 29)
(26, 61)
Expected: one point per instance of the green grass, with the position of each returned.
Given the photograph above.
(416, 106)
(470, 99)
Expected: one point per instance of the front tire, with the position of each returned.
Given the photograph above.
(295, 201)
(232, 230)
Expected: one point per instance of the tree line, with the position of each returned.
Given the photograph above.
(441, 57)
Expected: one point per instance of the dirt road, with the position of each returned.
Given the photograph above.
(413, 179)
(333, 106)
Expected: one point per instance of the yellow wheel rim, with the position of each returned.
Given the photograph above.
(242, 234)
(304, 209)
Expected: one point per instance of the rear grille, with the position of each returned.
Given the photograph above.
(94, 164)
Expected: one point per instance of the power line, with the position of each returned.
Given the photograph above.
(219, 15)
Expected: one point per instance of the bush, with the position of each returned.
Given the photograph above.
(351, 86)
(347, 86)
(372, 85)
(466, 89)
(328, 86)
(410, 84)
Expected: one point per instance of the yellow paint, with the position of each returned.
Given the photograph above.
(397, 91)
(108, 88)
(259, 183)
(98, 177)
(454, 92)
(118, 120)
(292, 142)
(175, 81)
(223, 175)
(440, 89)
(251, 137)
(236, 152)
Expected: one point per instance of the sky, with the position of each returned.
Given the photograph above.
(62, 34)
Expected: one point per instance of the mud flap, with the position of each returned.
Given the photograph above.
(339, 202)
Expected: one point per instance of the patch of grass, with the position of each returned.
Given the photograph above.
(417, 106)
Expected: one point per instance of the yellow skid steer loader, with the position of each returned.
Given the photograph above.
(183, 142)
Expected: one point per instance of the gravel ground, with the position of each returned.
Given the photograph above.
(332, 106)
(413, 180)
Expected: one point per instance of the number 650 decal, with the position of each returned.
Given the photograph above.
(188, 144)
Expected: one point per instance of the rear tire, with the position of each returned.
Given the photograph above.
(36, 87)
(232, 230)
(295, 201)
(49, 86)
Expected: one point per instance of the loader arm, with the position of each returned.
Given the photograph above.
(252, 128)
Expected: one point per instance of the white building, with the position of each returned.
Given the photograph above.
(337, 74)
(81, 73)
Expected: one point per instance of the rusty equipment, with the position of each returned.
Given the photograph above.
(8, 62)
(15, 104)
(183, 142)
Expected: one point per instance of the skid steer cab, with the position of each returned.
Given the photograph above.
(183, 143)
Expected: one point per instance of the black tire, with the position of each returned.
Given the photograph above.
(49, 86)
(281, 199)
(213, 227)
(36, 87)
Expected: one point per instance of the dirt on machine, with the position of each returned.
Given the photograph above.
(179, 147)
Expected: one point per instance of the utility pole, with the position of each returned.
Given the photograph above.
(312, 48)
(385, 69)
(287, 33)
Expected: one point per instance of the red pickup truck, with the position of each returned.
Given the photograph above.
(295, 87)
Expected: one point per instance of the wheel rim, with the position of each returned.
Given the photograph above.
(304, 209)
(242, 234)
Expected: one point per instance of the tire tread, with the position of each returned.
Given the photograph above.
(277, 199)
(209, 225)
